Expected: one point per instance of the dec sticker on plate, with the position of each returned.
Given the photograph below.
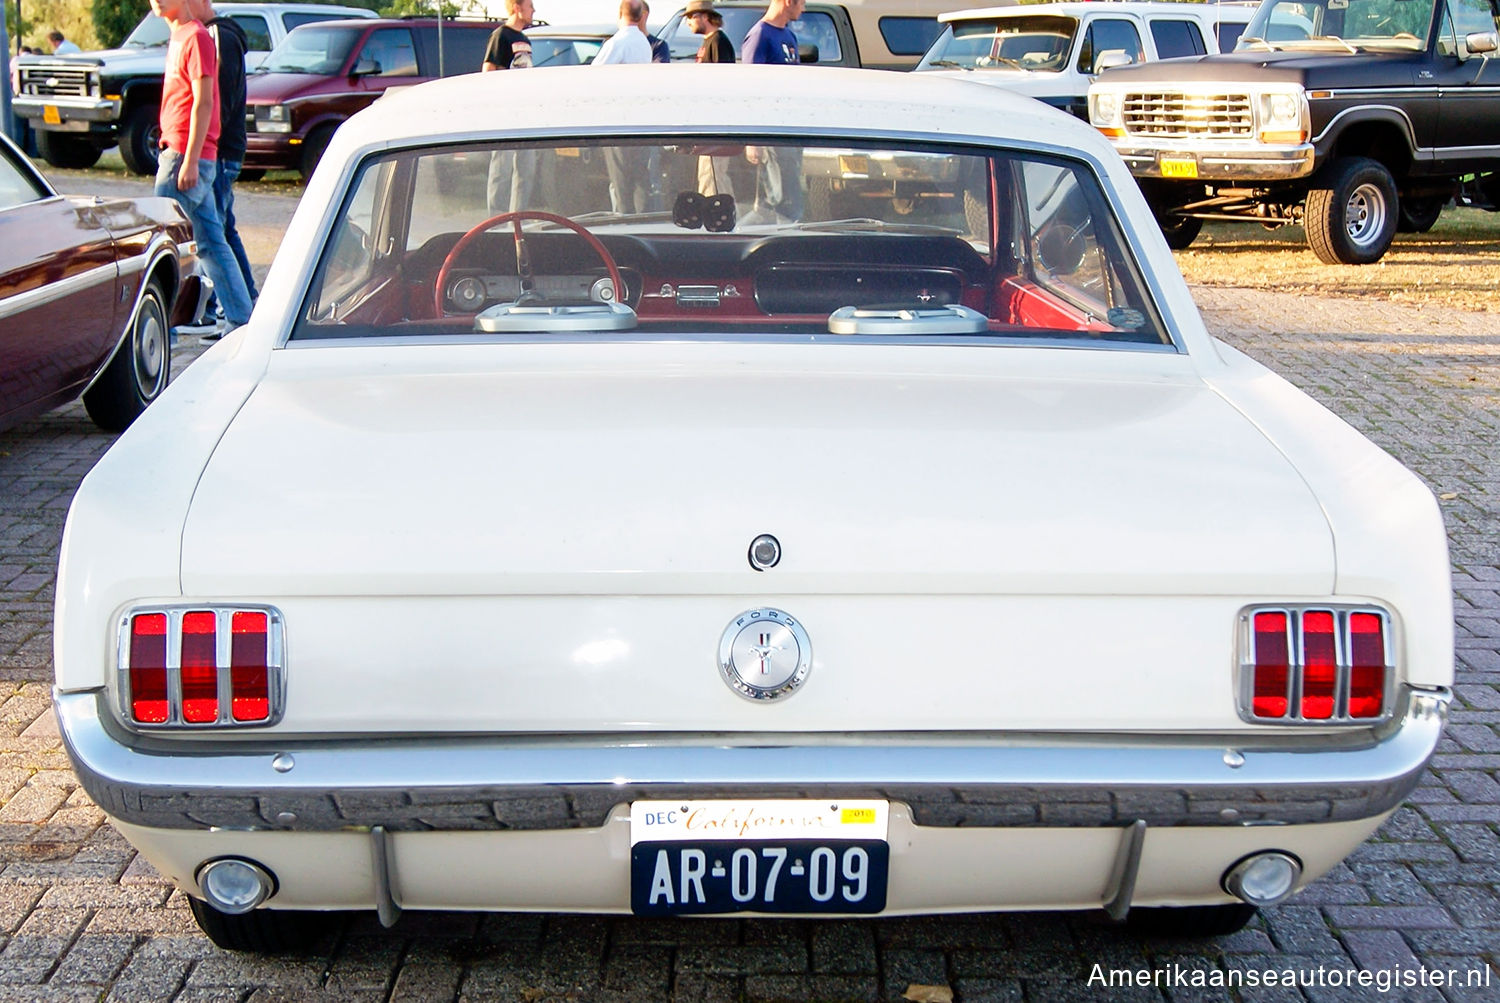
(654, 821)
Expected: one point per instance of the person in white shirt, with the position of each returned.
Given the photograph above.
(629, 44)
(60, 45)
(629, 166)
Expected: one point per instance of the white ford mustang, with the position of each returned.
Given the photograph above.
(832, 506)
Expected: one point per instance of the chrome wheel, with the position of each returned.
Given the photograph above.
(1365, 215)
(149, 349)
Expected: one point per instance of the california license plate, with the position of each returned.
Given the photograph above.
(691, 857)
(50, 115)
(1179, 167)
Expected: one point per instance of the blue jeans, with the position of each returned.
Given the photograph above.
(227, 172)
(208, 229)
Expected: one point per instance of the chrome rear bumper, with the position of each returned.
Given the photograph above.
(571, 782)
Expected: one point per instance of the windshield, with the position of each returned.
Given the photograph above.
(312, 48)
(1339, 24)
(151, 32)
(1040, 43)
(728, 237)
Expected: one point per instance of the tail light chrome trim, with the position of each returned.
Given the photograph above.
(1291, 642)
(243, 696)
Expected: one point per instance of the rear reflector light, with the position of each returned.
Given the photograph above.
(1317, 665)
(202, 666)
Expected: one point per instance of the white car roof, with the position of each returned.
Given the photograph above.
(1142, 8)
(574, 101)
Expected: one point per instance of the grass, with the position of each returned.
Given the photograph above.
(1456, 264)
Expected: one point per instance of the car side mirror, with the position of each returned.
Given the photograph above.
(1479, 42)
(807, 53)
(367, 66)
(1110, 58)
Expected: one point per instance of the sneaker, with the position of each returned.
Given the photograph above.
(202, 327)
(221, 329)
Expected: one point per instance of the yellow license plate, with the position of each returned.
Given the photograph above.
(50, 115)
(1172, 167)
(854, 165)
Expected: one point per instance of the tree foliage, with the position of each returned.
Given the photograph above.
(113, 20)
(419, 8)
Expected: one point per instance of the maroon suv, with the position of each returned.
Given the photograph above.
(321, 74)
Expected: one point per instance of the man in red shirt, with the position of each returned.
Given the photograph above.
(189, 139)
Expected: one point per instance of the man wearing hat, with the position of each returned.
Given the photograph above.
(706, 21)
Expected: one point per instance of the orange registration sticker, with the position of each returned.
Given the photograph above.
(1175, 167)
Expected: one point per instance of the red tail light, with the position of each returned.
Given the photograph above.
(207, 683)
(1321, 665)
(1273, 663)
(148, 668)
(1366, 665)
(200, 668)
(249, 681)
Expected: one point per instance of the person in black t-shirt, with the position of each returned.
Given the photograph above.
(706, 21)
(512, 175)
(509, 48)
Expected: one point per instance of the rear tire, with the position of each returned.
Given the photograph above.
(252, 173)
(1351, 213)
(140, 369)
(67, 151)
(1419, 215)
(1180, 231)
(140, 140)
(1196, 921)
(259, 931)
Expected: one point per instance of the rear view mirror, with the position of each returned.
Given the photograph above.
(807, 53)
(366, 67)
(1110, 58)
(1479, 42)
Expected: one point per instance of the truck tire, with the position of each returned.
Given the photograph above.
(260, 931)
(1351, 212)
(61, 149)
(1418, 215)
(252, 173)
(140, 140)
(1180, 231)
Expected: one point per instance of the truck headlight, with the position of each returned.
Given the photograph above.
(1104, 113)
(1283, 118)
(273, 118)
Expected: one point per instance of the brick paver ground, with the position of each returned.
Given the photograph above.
(81, 917)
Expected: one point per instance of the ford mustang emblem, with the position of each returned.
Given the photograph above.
(764, 654)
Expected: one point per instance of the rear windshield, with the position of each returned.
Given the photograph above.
(690, 237)
(312, 48)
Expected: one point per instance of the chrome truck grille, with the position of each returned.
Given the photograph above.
(43, 81)
(1188, 116)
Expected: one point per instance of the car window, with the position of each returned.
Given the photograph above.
(816, 27)
(257, 32)
(1228, 34)
(296, 19)
(908, 36)
(1175, 38)
(1003, 245)
(17, 186)
(1472, 15)
(1035, 42)
(390, 52)
(150, 32)
(1331, 24)
(463, 48)
(312, 48)
(1107, 34)
(564, 51)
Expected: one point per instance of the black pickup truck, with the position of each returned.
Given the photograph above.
(1352, 118)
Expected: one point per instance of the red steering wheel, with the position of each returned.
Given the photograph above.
(523, 259)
